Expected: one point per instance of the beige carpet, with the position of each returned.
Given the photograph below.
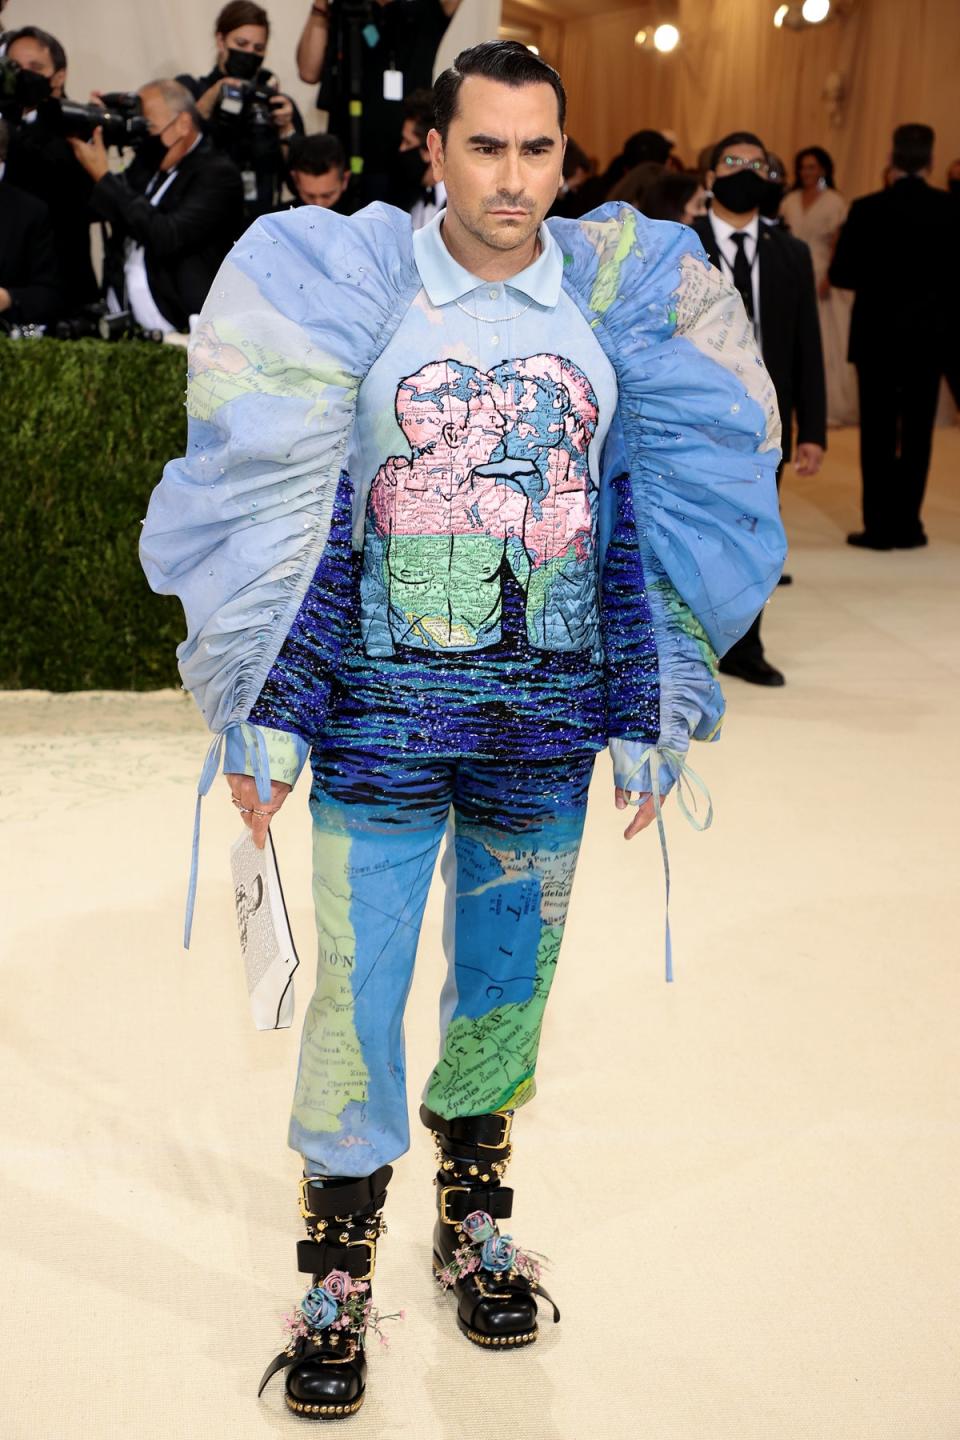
(747, 1181)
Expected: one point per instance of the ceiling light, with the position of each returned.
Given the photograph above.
(640, 39)
(780, 14)
(814, 11)
(666, 38)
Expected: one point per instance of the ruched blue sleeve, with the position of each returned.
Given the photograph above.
(701, 435)
(301, 307)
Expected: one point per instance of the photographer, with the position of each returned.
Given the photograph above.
(319, 174)
(174, 212)
(42, 163)
(28, 267)
(245, 114)
(374, 51)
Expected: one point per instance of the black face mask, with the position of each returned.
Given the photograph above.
(242, 64)
(772, 196)
(410, 169)
(153, 151)
(742, 192)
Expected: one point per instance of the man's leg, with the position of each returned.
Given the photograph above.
(921, 390)
(377, 825)
(508, 868)
(879, 425)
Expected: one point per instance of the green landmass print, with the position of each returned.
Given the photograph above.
(488, 1060)
(681, 614)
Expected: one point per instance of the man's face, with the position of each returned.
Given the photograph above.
(31, 55)
(410, 138)
(174, 130)
(737, 157)
(324, 190)
(502, 161)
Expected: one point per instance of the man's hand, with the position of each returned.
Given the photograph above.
(92, 154)
(5, 300)
(808, 459)
(255, 815)
(644, 814)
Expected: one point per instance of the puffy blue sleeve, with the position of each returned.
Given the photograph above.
(301, 307)
(701, 432)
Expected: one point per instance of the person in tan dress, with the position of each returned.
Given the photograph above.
(815, 211)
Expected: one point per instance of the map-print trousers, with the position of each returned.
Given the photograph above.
(513, 835)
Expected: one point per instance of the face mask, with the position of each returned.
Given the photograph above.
(410, 168)
(242, 64)
(770, 203)
(153, 151)
(741, 192)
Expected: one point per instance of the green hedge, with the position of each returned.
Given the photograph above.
(87, 428)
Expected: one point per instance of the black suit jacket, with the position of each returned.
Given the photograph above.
(45, 166)
(789, 330)
(185, 235)
(897, 251)
(28, 265)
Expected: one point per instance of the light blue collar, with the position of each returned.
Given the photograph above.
(444, 280)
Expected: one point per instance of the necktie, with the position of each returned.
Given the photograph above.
(741, 272)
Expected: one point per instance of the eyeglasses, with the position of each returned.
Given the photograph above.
(737, 162)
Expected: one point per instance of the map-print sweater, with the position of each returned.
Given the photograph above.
(556, 493)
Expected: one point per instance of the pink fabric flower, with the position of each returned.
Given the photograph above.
(338, 1284)
(478, 1226)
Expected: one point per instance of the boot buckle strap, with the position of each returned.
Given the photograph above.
(446, 1190)
(372, 1249)
(504, 1140)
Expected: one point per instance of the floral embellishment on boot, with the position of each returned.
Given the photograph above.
(339, 1303)
(488, 1250)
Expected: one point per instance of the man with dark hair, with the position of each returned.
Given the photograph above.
(42, 163)
(773, 273)
(459, 506)
(173, 213)
(903, 332)
(29, 290)
(319, 173)
(418, 189)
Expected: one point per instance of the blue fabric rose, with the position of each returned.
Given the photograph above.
(319, 1308)
(498, 1253)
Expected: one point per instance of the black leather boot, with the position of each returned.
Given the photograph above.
(326, 1367)
(496, 1307)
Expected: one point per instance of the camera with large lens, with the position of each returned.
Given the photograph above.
(245, 106)
(121, 119)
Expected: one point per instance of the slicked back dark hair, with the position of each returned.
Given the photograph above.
(50, 43)
(912, 148)
(738, 137)
(506, 61)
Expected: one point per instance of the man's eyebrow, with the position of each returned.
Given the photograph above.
(541, 142)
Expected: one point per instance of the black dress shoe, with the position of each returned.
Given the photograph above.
(755, 672)
(863, 541)
(913, 543)
(785, 580)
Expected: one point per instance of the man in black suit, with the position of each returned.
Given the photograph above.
(897, 251)
(29, 293)
(773, 272)
(174, 212)
(42, 163)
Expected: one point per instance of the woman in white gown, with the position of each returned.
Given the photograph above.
(815, 212)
